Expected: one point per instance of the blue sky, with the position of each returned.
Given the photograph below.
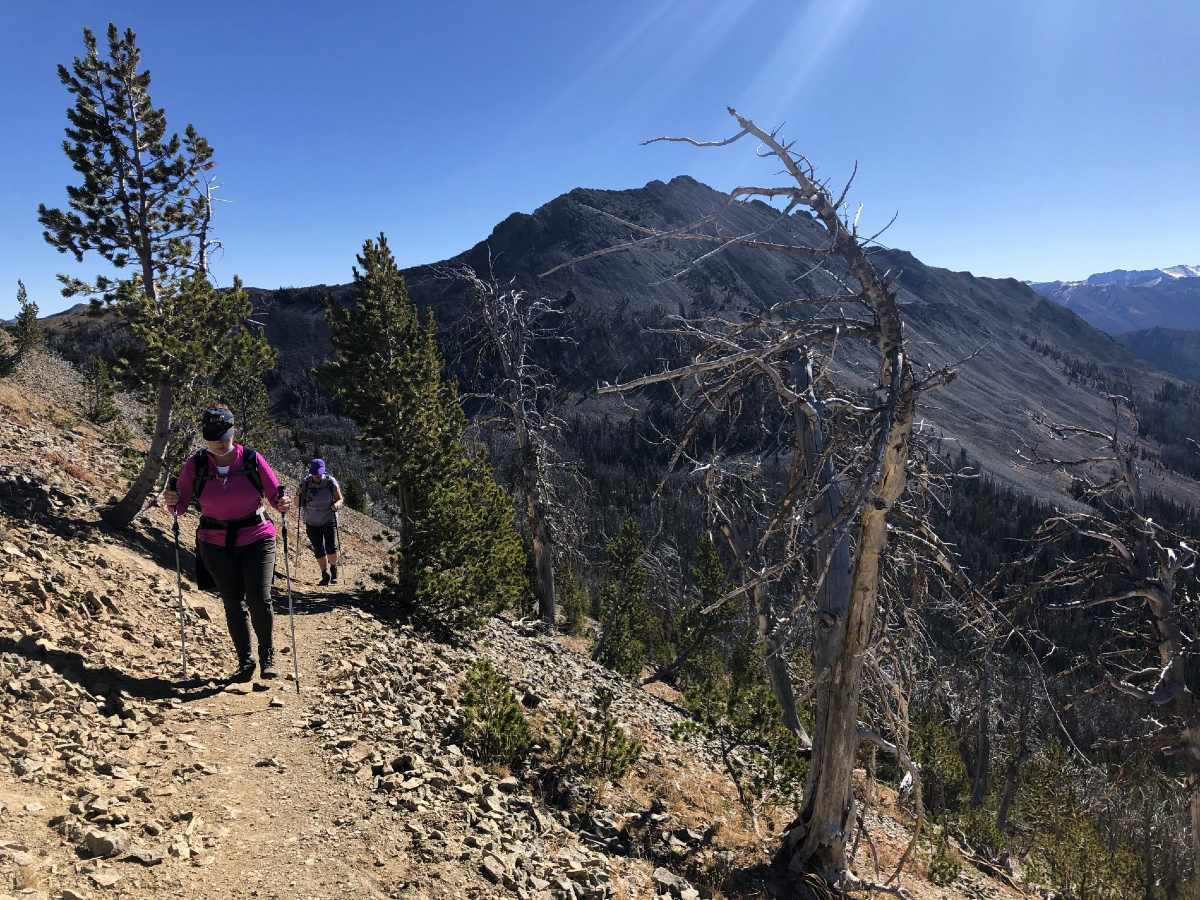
(1033, 138)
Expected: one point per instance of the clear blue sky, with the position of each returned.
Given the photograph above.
(1035, 138)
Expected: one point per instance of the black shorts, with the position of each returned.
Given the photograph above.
(323, 539)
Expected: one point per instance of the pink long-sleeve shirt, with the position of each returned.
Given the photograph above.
(229, 497)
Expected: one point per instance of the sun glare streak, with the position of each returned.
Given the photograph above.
(689, 42)
(799, 54)
(604, 63)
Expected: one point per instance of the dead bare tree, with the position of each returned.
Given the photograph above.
(815, 539)
(1139, 576)
(504, 329)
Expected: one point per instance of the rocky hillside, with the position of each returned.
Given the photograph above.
(123, 779)
(1122, 301)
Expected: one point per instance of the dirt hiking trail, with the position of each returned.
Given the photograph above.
(120, 779)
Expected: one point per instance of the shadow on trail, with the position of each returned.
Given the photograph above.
(158, 544)
(74, 520)
(314, 601)
(109, 682)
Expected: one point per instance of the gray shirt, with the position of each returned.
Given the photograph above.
(316, 498)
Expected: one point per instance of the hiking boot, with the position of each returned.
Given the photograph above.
(333, 575)
(245, 670)
(268, 667)
(324, 578)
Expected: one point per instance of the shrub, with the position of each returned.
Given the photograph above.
(493, 728)
(356, 496)
(977, 825)
(626, 626)
(100, 406)
(738, 711)
(573, 600)
(943, 775)
(595, 745)
(946, 864)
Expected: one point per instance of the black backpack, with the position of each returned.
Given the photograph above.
(249, 467)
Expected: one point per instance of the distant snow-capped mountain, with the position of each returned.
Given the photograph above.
(1125, 300)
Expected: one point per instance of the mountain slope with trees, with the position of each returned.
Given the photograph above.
(998, 330)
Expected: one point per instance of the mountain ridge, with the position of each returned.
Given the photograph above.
(1125, 300)
(999, 332)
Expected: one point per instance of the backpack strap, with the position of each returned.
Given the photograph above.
(249, 466)
(200, 463)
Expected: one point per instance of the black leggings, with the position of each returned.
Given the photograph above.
(243, 576)
(323, 539)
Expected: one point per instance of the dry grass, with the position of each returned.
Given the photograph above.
(73, 469)
(15, 404)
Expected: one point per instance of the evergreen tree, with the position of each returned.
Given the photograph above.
(240, 386)
(27, 330)
(573, 599)
(198, 352)
(144, 204)
(100, 405)
(693, 647)
(626, 627)
(356, 496)
(458, 557)
(735, 709)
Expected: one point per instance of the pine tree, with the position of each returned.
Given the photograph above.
(692, 650)
(735, 709)
(100, 405)
(356, 496)
(626, 628)
(201, 338)
(458, 557)
(27, 331)
(240, 385)
(144, 204)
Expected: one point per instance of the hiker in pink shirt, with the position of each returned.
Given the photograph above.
(235, 541)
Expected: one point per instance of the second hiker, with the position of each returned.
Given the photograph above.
(235, 538)
(320, 499)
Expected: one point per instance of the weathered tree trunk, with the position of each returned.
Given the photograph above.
(535, 520)
(543, 563)
(124, 512)
(1195, 816)
(1012, 773)
(816, 841)
(981, 775)
(775, 653)
(814, 463)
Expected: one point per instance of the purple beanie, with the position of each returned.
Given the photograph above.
(316, 467)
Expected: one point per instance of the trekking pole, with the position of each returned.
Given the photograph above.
(287, 570)
(173, 485)
(337, 537)
(299, 494)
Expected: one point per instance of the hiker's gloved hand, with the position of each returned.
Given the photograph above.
(170, 498)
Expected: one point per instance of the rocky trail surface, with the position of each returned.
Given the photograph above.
(121, 778)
